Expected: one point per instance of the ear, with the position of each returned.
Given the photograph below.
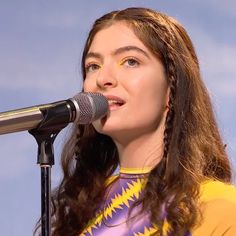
(167, 97)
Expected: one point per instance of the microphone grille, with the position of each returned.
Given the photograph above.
(91, 106)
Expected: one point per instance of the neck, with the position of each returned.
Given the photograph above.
(142, 152)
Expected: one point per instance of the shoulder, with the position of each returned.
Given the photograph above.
(218, 209)
(111, 179)
(212, 190)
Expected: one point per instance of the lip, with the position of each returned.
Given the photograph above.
(114, 106)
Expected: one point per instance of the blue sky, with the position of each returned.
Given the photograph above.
(40, 49)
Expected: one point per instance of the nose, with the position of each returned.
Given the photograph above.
(106, 78)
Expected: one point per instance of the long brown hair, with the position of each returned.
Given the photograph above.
(193, 149)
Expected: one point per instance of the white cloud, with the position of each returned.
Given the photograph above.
(41, 76)
(67, 17)
(217, 63)
(17, 155)
(226, 7)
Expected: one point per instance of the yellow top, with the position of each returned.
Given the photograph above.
(218, 210)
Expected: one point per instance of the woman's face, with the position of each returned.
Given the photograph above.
(119, 66)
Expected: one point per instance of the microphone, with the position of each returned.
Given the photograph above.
(83, 108)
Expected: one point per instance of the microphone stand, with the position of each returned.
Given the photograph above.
(45, 135)
(45, 159)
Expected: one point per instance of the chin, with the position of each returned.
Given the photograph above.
(106, 128)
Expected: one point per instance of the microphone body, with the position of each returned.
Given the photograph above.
(83, 108)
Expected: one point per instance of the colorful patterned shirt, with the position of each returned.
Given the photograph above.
(219, 203)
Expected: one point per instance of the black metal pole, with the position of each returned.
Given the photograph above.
(45, 160)
(45, 200)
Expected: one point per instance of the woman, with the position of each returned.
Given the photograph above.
(174, 173)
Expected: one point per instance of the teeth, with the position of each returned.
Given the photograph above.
(110, 102)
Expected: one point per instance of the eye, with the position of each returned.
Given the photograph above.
(91, 67)
(130, 62)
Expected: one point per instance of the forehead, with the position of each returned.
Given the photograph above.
(119, 34)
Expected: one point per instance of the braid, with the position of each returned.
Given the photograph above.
(168, 39)
(162, 178)
(165, 33)
(77, 142)
(157, 179)
(171, 112)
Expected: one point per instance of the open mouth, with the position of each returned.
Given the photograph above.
(114, 102)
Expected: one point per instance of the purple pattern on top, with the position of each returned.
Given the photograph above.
(116, 223)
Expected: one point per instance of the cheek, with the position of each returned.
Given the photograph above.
(149, 91)
(151, 99)
(88, 86)
(150, 107)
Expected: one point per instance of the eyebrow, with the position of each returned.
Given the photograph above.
(94, 55)
(130, 48)
(118, 51)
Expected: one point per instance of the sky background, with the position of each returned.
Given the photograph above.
(40, 48)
